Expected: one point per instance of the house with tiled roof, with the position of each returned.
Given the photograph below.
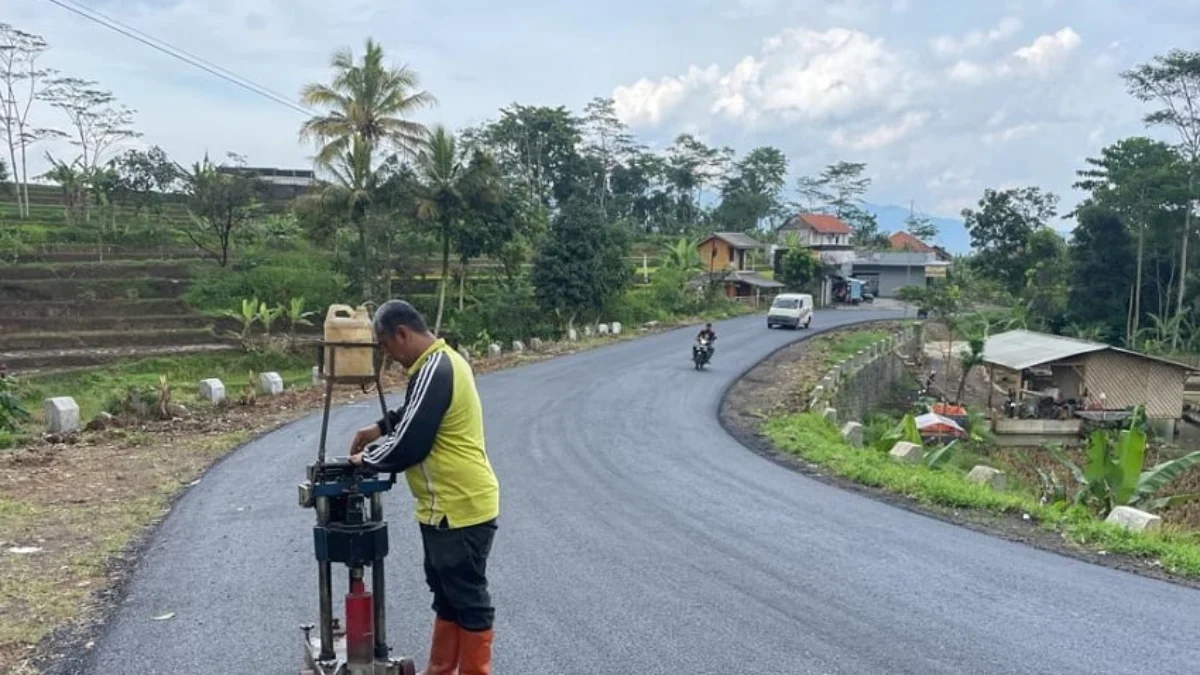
(905, 241)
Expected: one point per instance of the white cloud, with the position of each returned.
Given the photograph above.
(969, 72)
(646, 102)
(1011, 133)
(1042, 57)
(949, 46)
(798, 75)
(1049, 50)
(882, 135)
(900, 6)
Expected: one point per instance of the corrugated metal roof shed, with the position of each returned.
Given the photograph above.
(756, 280)
(1021, 349)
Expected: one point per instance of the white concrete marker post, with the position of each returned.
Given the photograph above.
(1134, 520)
(573, 335)
(316, 376)
(494, 350)
(616, 328)
(270, 384)
(62, 415)
(853, 433)
(602, 329)
(830, 415)
(535, 344)
(986, 475)
(212, 390)
(907, 453)
(518, 347)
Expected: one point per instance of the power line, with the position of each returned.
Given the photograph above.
(180, 54)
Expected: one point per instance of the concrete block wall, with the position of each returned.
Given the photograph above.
(866, 380)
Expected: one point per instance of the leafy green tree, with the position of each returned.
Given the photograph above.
(581, 265)
(1047, 279)
(799, 268)
(5, 188)
(539, 147)
(839, 190)
(1000, 231)
(220, 203)
(1173, 81)
(1144, 182)
(751, 194)
(144, 177)
(921, 227)
(1102, 261)
(608, 140)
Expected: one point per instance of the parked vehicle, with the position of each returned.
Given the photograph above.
(793, 310)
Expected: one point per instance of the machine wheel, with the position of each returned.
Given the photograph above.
(408, 667)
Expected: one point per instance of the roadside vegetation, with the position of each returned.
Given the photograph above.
(1065, 491)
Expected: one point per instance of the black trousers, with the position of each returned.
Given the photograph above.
(456, 571)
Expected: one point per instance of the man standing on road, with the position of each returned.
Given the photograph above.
(437, 441)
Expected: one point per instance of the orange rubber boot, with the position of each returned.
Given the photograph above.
(443, 654)
(475, 652)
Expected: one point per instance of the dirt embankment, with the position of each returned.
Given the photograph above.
(775, 386)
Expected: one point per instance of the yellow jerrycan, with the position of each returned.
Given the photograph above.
(344, 323)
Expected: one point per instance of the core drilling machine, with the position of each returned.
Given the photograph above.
(350, 531)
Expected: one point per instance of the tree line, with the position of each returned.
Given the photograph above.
(1127, 274)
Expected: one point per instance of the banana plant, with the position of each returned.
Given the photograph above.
(267, 315)
(940, 457)
(295, 314)
(906, 431)
(1114, 475)
(246, 317)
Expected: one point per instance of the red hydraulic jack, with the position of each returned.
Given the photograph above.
(350, 531)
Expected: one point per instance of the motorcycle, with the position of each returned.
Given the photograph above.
(701, 353)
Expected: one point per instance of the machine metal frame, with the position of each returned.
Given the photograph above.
(350, 530)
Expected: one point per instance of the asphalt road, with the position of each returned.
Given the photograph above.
(637, 537)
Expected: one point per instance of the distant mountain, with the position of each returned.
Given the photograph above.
(952, 235)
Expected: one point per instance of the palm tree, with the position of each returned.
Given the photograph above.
(365, 110)
(351, 192)
(440, 202)
(367, 100)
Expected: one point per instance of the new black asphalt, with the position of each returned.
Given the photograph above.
(637, 537)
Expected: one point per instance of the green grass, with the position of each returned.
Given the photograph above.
(849, 343)
(809, 436)
(93, 389)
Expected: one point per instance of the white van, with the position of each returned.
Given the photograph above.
(791, 309)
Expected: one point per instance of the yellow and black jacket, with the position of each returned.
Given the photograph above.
(437, 441)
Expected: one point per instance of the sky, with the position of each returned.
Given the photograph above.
(940, 99)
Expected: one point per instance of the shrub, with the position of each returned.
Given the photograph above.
(12, 413)
(274, 279)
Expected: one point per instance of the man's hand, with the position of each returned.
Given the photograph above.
(362, 438)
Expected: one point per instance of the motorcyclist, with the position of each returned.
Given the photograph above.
(707, 333)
